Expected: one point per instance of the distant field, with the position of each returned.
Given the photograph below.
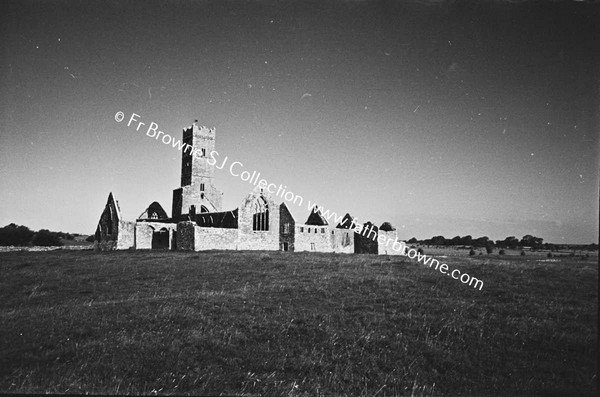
(251, 323)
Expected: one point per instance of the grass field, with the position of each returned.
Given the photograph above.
(251, 323)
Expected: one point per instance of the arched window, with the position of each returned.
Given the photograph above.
(260, 218)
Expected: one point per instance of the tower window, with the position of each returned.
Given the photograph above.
(202, 187)
(203, 152)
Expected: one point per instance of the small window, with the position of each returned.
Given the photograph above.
(301, 230)
(312, 247)
(202, 187)
(309, 229)
(203, 152)
(322, 231)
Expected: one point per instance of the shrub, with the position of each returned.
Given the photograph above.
(90, 239)
(15, 235)
(489, 249)
(481, 253)
(472, 252)
(501, 252)
(46, 238)
(549, 255)
(420, 251)
(522, 253)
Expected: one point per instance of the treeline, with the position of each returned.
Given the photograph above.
(511, 242)
(21, 236)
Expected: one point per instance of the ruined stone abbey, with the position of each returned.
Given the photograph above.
(198, 222)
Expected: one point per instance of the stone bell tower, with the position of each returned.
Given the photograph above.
(197, 192)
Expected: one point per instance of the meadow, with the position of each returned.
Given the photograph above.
(303, 324)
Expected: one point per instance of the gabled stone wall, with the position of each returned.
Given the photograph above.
(287, 229)
(249, 239)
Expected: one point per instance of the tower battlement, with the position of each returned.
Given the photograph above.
(197, 174)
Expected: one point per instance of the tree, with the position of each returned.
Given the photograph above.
(466, 240)
(413, 240)
(15, 235)
(438, 240)
(386, 227)
(481, 241)
(455, 240)
(532, 241)
(46, 238)
(510, 242)
(472, 252)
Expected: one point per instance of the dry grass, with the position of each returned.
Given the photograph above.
(251, 323)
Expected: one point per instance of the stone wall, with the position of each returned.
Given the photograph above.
(287, 229)
(312, 238)
(144, 233)
(107, 231)
(366, 241)
(342, 241)
(126, 235)
(211, 238)
(249, 239)
(186, 236)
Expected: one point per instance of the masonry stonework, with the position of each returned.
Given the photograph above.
(198, 223)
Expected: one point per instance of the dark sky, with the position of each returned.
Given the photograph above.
(443, 117)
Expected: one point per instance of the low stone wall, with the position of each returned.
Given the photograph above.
(210, 238)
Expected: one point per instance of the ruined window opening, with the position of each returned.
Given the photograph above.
(301, 230)
(309, 229)
(260, 218)
(203, 209)
(202, 187)
(312, 247)
(203, 152)
(322, 231)
(286, 228)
